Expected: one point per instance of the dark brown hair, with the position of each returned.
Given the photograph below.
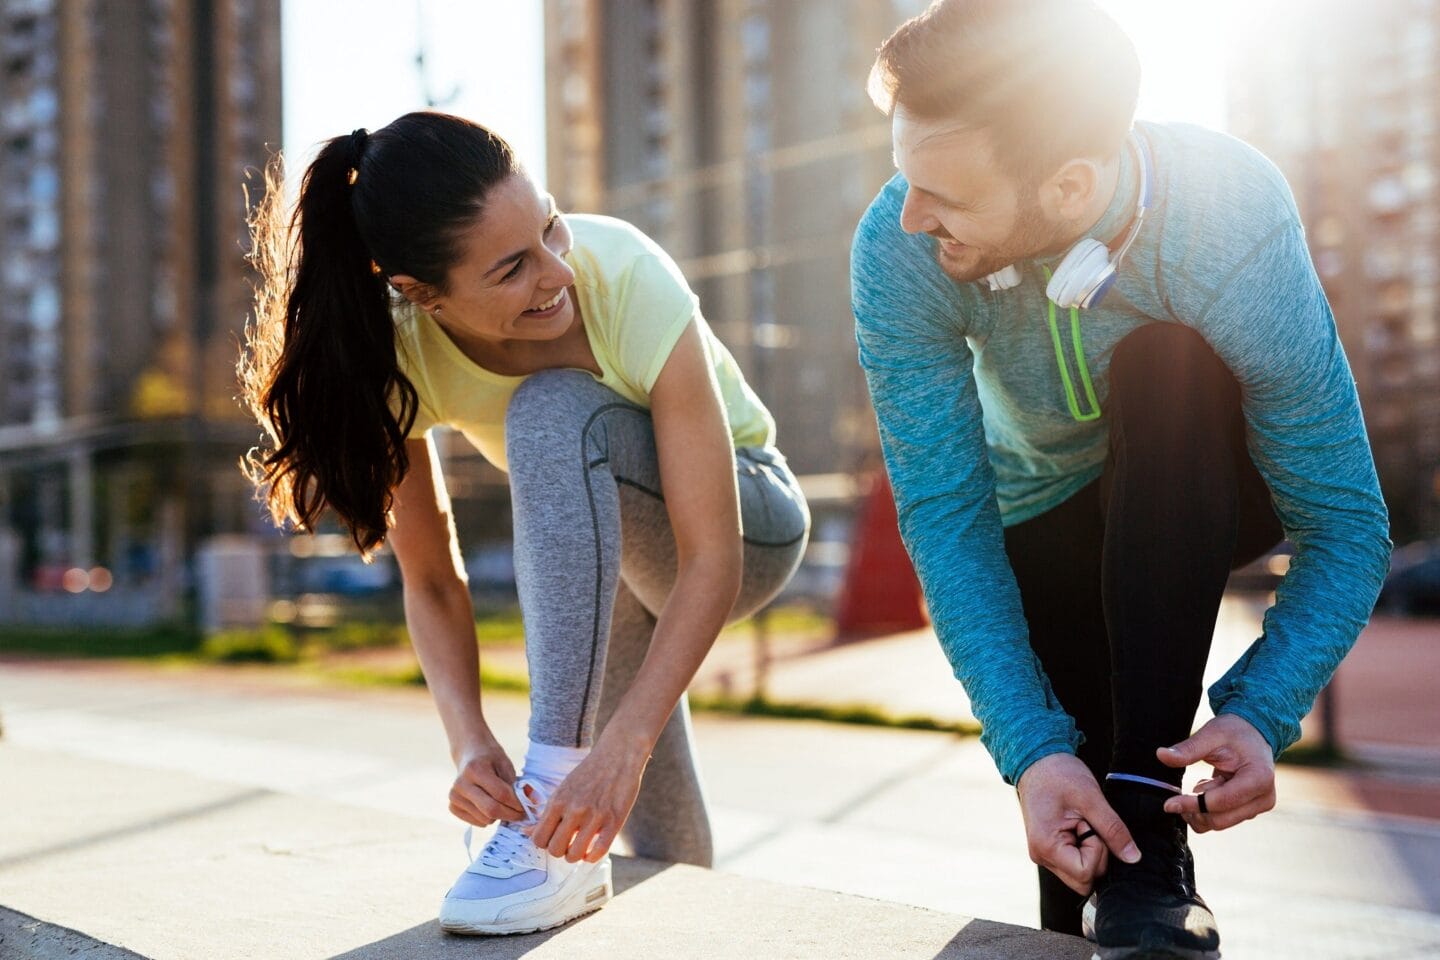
(319, 370)
(1050, 80)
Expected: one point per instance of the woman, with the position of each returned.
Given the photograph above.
(650, 505)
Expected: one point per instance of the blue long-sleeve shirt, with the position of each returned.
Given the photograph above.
(978, 434)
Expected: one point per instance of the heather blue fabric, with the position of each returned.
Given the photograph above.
(977, 433)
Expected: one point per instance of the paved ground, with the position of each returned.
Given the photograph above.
(151, 801)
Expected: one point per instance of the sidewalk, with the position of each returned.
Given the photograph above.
(176, 866)
(245, 813)
(237, 814)
(1388, 713)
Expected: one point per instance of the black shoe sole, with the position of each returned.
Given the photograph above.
(1153, 953)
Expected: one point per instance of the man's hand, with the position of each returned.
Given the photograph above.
(1242, 779)
(1060, 802)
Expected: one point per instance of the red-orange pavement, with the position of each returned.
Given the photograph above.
(1386, 696)
(1388, 689)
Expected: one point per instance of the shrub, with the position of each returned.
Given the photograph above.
(269, 644)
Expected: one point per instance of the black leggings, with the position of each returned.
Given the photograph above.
(1121, 583)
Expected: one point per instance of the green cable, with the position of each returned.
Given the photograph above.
(1070, 396)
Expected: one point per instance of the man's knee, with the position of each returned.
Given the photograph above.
(1158, 352)
(1163, 370)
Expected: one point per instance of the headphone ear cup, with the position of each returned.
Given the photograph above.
(1085, 268)
(1102, 287)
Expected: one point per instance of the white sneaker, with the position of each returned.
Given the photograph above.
(515, 887)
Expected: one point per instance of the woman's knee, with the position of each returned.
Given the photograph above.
(551, 412)
(544, 395)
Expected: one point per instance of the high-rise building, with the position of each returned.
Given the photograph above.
(1342, 97)
(739, 135)
(126, 130)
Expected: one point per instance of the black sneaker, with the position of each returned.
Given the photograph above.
(1150, 910)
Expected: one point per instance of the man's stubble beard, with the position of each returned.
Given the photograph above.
(1033, 236)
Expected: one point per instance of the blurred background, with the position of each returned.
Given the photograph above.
(736, 132)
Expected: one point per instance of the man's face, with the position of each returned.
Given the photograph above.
(984, 217)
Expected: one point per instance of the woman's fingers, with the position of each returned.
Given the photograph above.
(564, 834)
(584, 838)
(602, 843)
(544, 830)
(464, 810)
(481, 796)
(496, 795)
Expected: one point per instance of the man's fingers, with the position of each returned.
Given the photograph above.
(1202, 823)
(1107, 823)
(1192, 749)
(1067, 862)
(1232, 794)
(1094, 856)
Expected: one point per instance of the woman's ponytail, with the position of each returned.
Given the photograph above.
(320, 372)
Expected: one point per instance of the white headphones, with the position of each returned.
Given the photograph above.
(1089, 268)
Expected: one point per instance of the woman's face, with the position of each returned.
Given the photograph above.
(511, 282)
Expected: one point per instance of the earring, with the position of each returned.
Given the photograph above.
(437, 311)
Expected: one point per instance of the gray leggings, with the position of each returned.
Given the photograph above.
(594, 563)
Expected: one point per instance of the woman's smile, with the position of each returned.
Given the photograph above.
(549, 307)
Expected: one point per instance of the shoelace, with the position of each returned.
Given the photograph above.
(508, 842)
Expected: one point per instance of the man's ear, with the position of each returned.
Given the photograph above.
(1069, 192)
(423, 295)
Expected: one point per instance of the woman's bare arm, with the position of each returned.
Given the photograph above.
(442, 629)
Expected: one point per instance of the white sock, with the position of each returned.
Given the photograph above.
(551, 764)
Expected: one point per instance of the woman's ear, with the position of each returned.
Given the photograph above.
(423, 295)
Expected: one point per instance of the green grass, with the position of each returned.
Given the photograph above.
(283, 643)
(830, 713)
(411, 676)
(100, 641)
(269, 644)
(500, 627)
(1315, 755)
(786, 619)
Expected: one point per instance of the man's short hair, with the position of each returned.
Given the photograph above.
(1050, 80)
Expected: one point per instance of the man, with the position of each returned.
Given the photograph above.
(1104, 373)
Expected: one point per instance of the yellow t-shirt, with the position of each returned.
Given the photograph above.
(635, 304)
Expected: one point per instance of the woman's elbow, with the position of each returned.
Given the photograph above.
(436, 584)
(720, 566)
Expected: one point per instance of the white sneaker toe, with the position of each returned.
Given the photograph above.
(514, 887)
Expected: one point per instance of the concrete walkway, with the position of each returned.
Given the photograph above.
(227, 815)
(240, 813)
(168, 865)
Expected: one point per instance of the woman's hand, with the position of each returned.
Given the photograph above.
(484, 789)
(585, 813)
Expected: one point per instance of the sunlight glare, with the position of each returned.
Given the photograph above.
(1183, 49)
